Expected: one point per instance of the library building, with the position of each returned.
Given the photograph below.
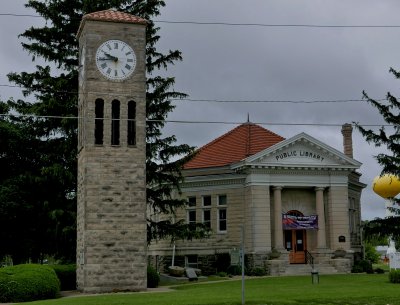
(294, 204)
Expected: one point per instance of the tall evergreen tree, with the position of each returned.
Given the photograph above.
(388, 137)
(52, 122)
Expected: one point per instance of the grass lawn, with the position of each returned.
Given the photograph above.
(354, 289)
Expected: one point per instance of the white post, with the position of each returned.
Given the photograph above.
(173, 255)
(242, 237)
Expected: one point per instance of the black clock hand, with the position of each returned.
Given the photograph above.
(111, 57)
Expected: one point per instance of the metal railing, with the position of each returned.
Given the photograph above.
(309, 259)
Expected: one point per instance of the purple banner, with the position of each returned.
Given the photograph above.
(291, 222)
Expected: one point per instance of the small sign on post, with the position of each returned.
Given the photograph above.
(235, 257)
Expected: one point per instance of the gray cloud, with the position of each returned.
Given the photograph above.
(267, 63)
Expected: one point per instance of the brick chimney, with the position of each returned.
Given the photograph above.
(347, 131)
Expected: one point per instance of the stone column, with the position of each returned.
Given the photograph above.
(278, 217)
(321, 234)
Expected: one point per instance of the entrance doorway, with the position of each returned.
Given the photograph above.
(296, 243)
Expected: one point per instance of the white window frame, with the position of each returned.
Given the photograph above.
(188, 216)
(219, 220)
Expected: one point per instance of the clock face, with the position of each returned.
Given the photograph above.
(115, 60)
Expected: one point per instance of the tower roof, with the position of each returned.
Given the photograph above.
(113, 15)
(235, 145)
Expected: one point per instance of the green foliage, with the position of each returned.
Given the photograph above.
(390, 162)
(24, 283)
(153, 278)
(38, 154)
(362, 266)
(380, 229)
(379, 270)
(394, 276)
(371, 254)
(234, 270)
(67, 276)
(223, 261)
(257, 271)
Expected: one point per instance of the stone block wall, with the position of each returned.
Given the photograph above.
(111, 212)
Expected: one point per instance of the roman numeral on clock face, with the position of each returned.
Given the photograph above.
(115, 59)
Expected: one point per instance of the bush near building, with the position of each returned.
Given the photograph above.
(23, 283)
(153, 279)
(67, 276)
(394, 276)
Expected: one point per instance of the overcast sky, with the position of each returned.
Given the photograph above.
(265, 63)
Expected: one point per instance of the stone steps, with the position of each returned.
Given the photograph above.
(303, 269)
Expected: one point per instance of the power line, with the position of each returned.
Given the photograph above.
(283, 25)
(189, 121)
(277, 25)
(214, 100)
(277, 101)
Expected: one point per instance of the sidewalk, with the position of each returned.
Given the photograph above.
(75, 293)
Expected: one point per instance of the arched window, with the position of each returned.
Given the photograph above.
(295, 213)
(99, 122)
(131, 123)
(115, 119)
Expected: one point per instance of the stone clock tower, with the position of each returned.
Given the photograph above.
(111, 214)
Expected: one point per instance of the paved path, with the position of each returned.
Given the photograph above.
(75, 293)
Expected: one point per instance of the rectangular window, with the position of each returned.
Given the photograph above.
(191, 201)
(222, 220)
(115, 118)
(191, 261)
(98, 122)
(206, 201)
(192, 217)
(222, 200)
(131, 123)
(207, 218)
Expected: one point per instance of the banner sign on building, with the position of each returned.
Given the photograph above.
(292, 222)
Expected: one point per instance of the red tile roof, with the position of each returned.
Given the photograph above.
(112, 15)
(237, 144)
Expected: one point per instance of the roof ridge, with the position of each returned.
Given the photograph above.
(216, 140)
(236, 144)
(112, 12)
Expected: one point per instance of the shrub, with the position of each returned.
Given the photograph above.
(394, 276)
(257, 272)
(67, 276)
(234, 270)
(379, 270)
(357, 269)
(23, 283)
(152, 277)
(223, 261)
(362, 266)
(371, 254)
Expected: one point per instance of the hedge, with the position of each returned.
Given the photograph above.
(153, 278)
(67, 276)
(23, 283)
(394, 276)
